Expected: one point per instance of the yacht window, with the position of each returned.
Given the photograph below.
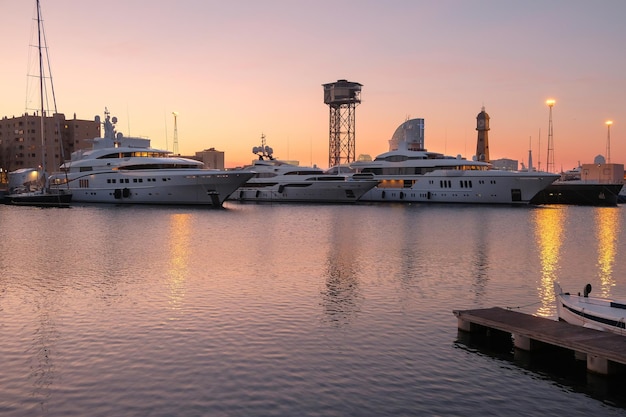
(396, 158)
(265, 175)
(375, 171)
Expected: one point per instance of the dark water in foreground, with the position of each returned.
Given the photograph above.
(291, 310)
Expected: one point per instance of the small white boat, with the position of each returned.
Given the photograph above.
(591, 312)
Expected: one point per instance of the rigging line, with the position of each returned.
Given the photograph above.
(527, 305)
(45, 47)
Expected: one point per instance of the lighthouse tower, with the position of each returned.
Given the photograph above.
(482, 143)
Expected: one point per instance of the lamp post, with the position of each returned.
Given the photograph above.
(175, 146)
(608, 141)
(550, 163)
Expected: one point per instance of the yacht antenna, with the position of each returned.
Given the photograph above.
(539, 153)
(530, 153)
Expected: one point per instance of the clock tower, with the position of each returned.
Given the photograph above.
(482, 144)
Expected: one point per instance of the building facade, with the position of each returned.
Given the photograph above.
(211, 158)
(505, 164)
(21, 140)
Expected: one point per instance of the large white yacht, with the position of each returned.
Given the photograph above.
(126, 170)
(410, 173)
(279, 181)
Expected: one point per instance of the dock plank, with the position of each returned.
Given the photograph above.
(592, 342)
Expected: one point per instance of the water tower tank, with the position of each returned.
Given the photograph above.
(342, 92)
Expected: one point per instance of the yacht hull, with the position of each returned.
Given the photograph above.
(591, 312)
(35, 199)
(162, 186)
(583, 194)
(306, 191)
(469, 187)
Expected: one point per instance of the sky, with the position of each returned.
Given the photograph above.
(234, 70)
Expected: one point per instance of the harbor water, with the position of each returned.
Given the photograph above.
(292, 310)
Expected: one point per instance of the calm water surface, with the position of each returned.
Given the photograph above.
(291, 310)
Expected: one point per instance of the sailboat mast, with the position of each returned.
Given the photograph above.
(41, 87)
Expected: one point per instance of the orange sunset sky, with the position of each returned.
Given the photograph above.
(236, 69)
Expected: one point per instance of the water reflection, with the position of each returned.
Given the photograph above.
(608, 224)
(480, 263)
(549, 237)
(179, 236)
(42, 369)
(341, 295)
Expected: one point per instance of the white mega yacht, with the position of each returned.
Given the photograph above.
(126, 170)
(409, 173)
(279, 181)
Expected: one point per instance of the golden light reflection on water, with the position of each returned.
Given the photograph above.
(548, 234)
(549, 224)
(608, 224)
(180, 229)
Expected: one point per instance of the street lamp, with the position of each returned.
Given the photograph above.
(175, 146)
(608, 140)
(550, 165)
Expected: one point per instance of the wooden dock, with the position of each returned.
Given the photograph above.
(604, 352)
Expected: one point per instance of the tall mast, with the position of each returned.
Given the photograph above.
(41, 86)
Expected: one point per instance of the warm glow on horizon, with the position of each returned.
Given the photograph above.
(267, 75)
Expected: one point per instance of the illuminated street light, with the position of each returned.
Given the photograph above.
(608, 141)
(550, 165)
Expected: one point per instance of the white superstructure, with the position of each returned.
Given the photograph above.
(126, 170)
(278, 181)
(409, 173)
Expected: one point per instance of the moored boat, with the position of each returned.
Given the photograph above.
(592, 312)
(410, 173)
(126, 170)
(30, 186)
(597, 184)
(27, 187)
(279, 181)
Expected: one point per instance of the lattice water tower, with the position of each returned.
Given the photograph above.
(342, 97)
